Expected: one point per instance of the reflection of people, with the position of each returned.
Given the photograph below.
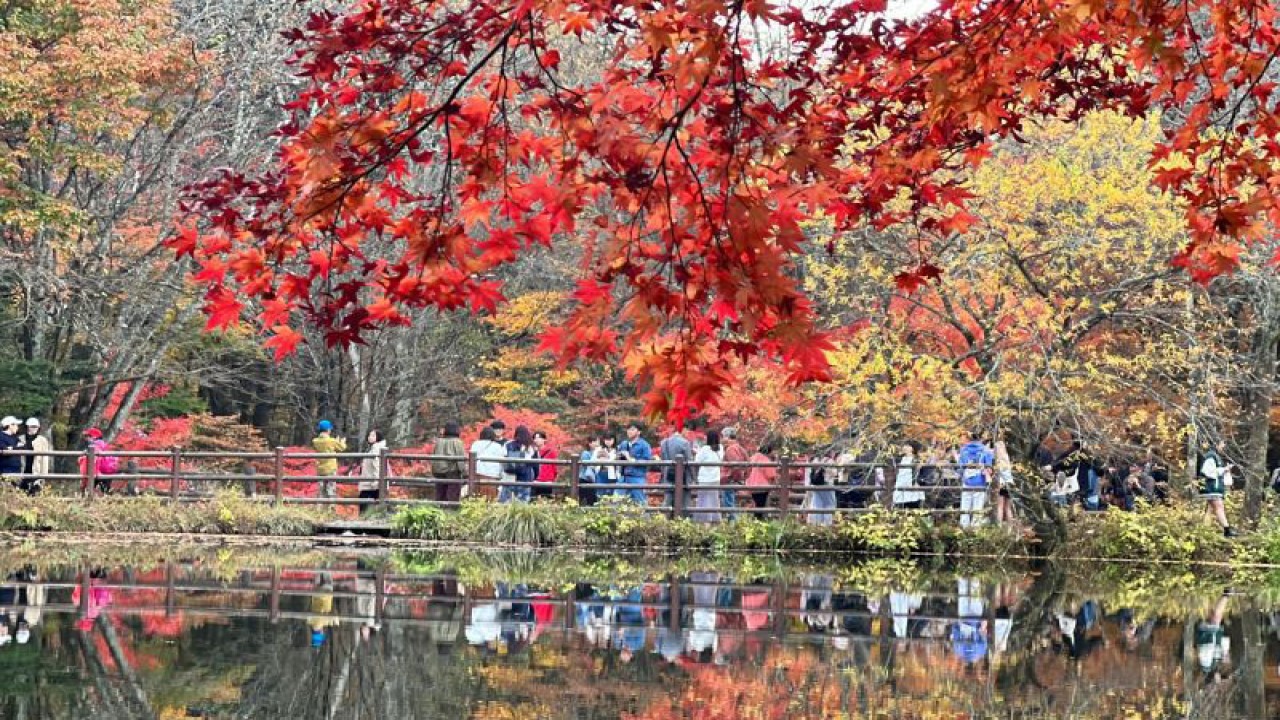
(701, 639)
(903, 605)
(1213, 647)
(484, 629)
(321, 606)
(969, 633)
(816, 600)
(99, 598)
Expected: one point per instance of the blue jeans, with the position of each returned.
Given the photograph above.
(637, 496)
(728, 499)
(602, 478)
(509, 493)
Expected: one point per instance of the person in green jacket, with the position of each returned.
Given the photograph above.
(451, 463)
(325, 442)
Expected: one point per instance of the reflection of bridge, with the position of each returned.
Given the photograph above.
(374, 591)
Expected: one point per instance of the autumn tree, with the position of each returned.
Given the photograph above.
(106, 108)
(447, 139)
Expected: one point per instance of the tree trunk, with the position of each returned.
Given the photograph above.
(1253, 664)
(1255, 421)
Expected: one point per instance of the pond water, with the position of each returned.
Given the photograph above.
(390, 637)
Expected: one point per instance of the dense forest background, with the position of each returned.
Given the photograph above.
(1057, 314)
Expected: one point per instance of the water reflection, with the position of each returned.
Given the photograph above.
(359, 639)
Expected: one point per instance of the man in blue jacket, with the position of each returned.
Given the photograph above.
(10, 465)
(975, 467)
(635, 448)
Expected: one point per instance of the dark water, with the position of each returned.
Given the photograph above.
(376, 638)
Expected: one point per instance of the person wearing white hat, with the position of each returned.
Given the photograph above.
(10, 464)
(37, 465)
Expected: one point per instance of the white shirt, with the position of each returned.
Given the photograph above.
(906, 478)
(371, 467)
(708, 474)
(486, 451)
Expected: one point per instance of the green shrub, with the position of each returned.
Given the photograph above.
(523, 523)
(883, 531)
(422, 522)
(1177, 532)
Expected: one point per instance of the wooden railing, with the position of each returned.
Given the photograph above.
(176, 473)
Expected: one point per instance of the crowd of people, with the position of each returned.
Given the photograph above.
(520, 464)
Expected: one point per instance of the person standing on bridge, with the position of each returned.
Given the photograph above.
(975, 460)
(709, 473)
(10, 464)
(542, 487)
(489, 453)
(371, 470)
(520, 448)
(606, 473)
(673, 448)
(104, 466)
(449, 445)
(326, 443)
(733, 453)
(37, 466)
(635, 449)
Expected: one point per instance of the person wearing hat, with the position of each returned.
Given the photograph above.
(37, 466)
(10, 463)
(325, 442)
(104, 466)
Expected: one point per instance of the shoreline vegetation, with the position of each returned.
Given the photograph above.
(1172, 533)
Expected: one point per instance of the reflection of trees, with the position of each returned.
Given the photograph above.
(397, 672)
(841, 657)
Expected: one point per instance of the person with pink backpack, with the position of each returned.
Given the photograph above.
(104, 465)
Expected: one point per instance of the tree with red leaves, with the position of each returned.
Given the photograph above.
(435, 143)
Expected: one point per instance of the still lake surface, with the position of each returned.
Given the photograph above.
(385, 637)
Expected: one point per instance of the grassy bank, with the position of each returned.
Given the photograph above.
(226, 513)
(1173, 533)
(625, 527)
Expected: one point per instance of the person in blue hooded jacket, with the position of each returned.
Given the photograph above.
(975, 460)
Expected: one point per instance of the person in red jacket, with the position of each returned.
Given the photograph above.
(546, 471)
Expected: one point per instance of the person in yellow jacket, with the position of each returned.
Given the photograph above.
(325, 442)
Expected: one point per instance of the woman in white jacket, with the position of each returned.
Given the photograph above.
(371, 470)
(38, 466)
(711, 452)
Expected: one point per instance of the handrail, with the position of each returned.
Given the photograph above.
(874, 484)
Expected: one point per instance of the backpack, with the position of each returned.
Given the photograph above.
(107, 465)
(521, 471)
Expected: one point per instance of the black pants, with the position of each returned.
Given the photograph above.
(448, 491)
(761, 498)
(367, 495)
(540, 490)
